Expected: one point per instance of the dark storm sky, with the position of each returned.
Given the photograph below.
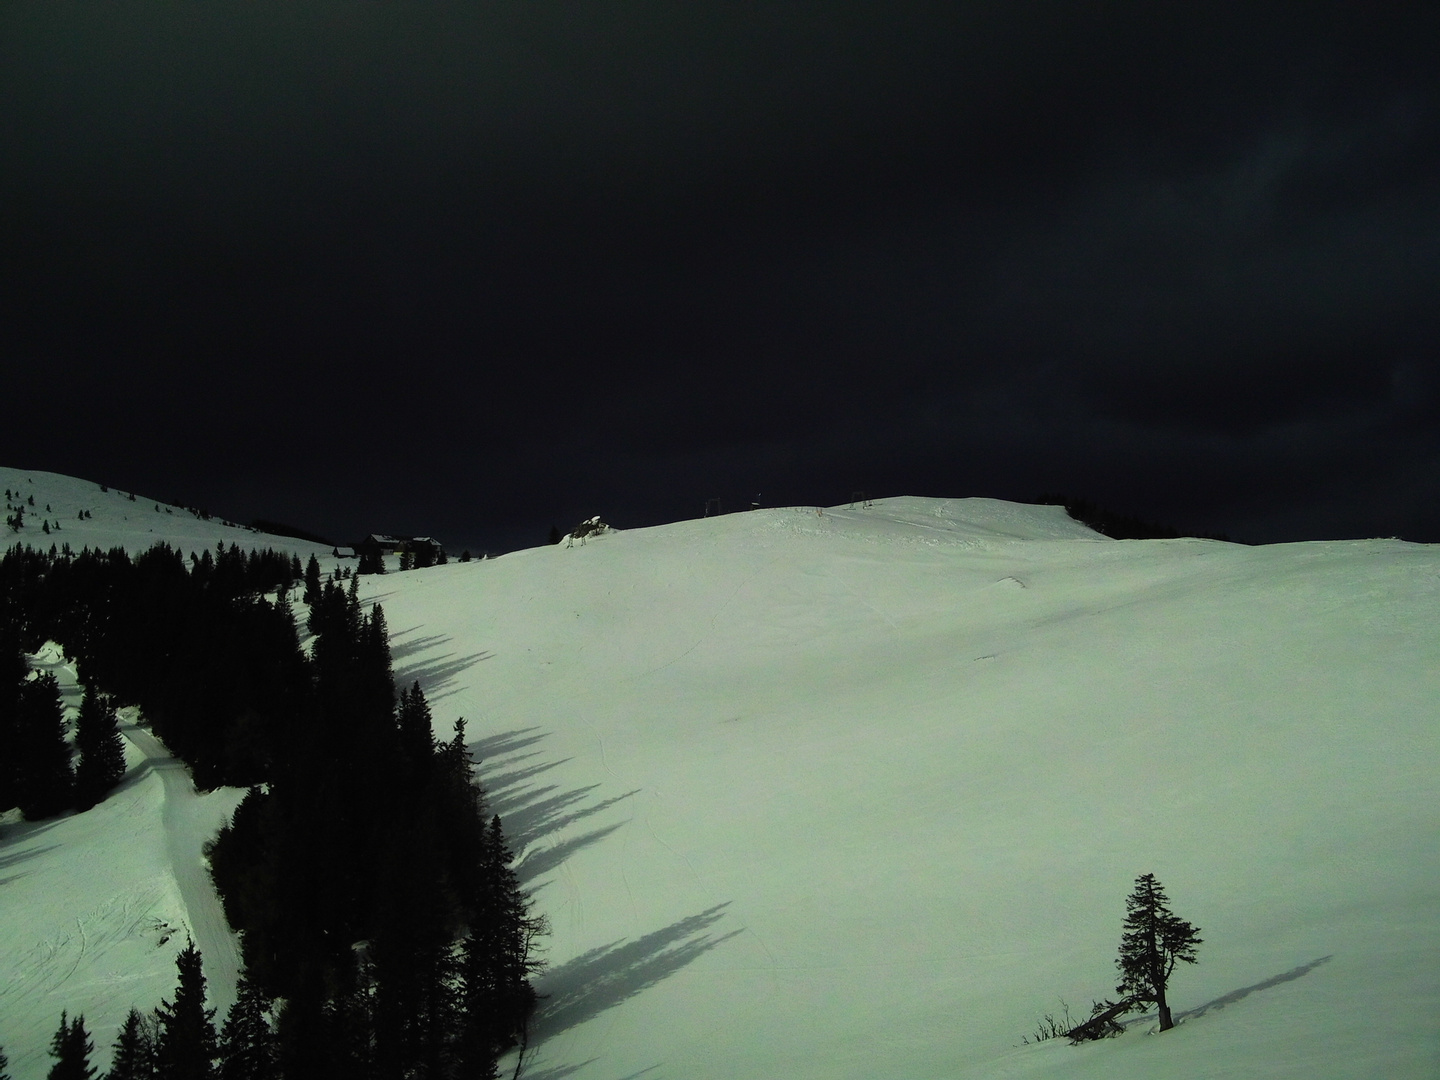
(471, 269)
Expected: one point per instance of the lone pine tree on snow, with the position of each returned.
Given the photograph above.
(1155, 940)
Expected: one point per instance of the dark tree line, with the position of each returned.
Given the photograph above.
(215, 668)
(38, 772)
(102, 750)
(1116, 525)
(71, 1048)
(372, 892)
(383, 931)
(176, 1041)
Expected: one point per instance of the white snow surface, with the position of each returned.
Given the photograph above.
(117, 521)
(860, 793)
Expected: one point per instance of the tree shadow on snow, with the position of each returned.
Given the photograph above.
(499, 784)
(147, 765)
(540, 861)
(437, 673)
(505, 743)
(559, 1072)
(399, 652)
(13, 834)
(1237, 995)
(133, 775)
(581, 989)
(1245, 991)
(532, 815)
(531, 812)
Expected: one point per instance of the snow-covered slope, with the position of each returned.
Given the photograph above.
(860, 793)
(117, 520)
(94, 906)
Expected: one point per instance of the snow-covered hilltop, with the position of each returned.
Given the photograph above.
(59, 510)
(860, 792)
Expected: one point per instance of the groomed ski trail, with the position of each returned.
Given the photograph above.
(189, 820)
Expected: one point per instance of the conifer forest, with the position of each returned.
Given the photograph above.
(381, 937)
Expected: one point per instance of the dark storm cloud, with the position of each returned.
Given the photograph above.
(504, 263)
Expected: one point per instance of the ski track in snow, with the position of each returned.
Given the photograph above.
(187, 828)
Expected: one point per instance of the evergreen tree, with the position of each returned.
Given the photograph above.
(479, 1039)
(373, 658)
(102, 750)
(1155, 940)
(412, 958)
(520, 930)
(248, 1049)
(309, 1045)
(417, 740)
(352, 610)
(13, 768)
(205, 568)
(283, 606)
(498, 958)
(407, 560)
(46, 781)
(133, 1054)
(186, 1046)
(4, 1065)
(312, 581)
(71, 1048)
(350, 1019)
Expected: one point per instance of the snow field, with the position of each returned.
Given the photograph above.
(873, 785)
(835, 793)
